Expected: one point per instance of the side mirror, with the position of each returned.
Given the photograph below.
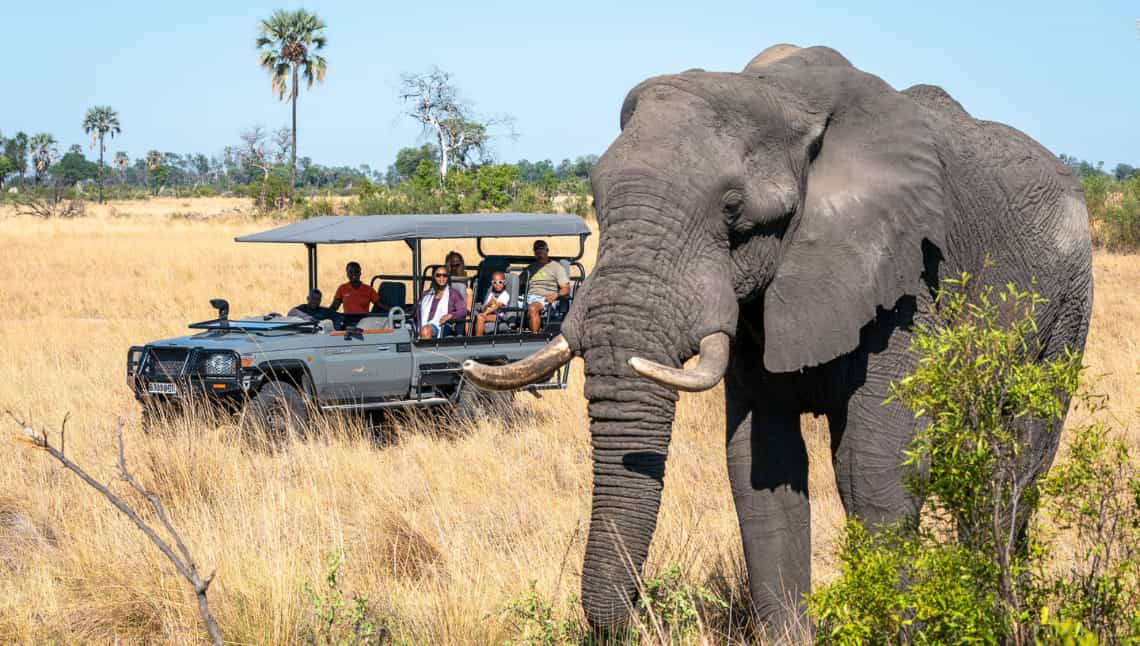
(223, 307)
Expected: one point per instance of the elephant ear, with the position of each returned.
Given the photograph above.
(874, 193)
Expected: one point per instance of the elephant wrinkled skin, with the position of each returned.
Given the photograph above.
(806, 210)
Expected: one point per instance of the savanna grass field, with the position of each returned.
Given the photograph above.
(441, 524)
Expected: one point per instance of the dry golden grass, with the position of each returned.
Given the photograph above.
(438, 531)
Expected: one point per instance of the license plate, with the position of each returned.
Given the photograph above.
(162, 388)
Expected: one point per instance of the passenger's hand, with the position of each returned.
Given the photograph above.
(550, 298)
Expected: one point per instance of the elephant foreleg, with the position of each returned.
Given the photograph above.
(768, 469)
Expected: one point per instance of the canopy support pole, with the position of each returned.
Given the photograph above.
(312, 249)
(418, 279)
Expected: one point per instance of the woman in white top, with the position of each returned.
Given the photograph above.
(440, 307)
(497, 298)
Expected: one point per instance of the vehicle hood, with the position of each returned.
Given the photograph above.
(238, 341)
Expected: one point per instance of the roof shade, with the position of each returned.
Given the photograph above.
(344, 229)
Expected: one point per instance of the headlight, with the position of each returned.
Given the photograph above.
(134, 358)
(220, 365)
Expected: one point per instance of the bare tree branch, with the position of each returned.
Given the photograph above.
(184, 565)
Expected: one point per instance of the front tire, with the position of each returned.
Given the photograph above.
(156, 416)
(278, 411)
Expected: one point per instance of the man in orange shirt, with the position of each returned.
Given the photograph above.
(356, 296)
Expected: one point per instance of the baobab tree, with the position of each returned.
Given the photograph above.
(99, 122)
(288, 41)
(254, 154)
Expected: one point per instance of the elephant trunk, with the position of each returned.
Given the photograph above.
(657, 290)
(630, 426)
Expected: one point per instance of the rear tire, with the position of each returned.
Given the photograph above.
(476, 404)
(278, 411)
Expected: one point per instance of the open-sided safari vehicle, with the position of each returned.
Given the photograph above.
(277, 370)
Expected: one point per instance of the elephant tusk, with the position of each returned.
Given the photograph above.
(708, 371)
(520, 373)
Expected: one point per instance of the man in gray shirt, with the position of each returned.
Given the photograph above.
(546, 282)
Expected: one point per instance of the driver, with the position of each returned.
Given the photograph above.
(354, 295)
(311, 310)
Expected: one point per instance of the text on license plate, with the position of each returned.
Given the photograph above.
(162, 388)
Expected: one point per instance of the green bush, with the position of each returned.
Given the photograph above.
(902, 586)
(962, 575)
(533, 622)
(670, 610)
(531, 199)
(272, 192)
(581, 205)
(314, 208)
(673, 607)
(340, 621)
(1114, 211)
(1093, 497)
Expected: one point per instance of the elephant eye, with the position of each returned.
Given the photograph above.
(732, 203)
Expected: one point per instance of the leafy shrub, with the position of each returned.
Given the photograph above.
(1114, 210)
(532, 619)
(531, 199)
(341, 621)
(893, 587)
(1094, 497)
(673, 607)
(580, 205)
(980, 385)
(496, 185)
(315, 208)
(671, 610)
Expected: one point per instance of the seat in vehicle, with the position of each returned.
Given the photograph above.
(392, 294)
(506, 322)
(488, 266)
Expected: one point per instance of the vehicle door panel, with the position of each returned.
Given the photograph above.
(368, 367)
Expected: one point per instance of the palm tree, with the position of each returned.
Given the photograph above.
(288, 41)
(121, 163)
(100, 121)
(44, 152)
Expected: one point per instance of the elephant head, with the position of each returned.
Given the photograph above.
(788, 202)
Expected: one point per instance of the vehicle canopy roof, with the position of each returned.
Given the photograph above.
(346, 229)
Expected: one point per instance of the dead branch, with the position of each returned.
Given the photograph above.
(184, 564)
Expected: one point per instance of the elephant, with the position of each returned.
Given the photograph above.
(790, 224)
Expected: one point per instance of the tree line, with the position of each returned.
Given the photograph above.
(1113, 200)
(264, 164)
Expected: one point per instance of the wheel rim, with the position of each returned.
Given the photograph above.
(277, 417)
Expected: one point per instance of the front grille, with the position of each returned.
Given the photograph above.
(165, 362)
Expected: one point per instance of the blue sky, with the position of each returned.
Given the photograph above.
(184, 76)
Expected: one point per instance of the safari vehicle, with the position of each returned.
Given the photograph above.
(278, 370)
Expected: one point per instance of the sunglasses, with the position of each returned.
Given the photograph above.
(498, 282)
(441, 275)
